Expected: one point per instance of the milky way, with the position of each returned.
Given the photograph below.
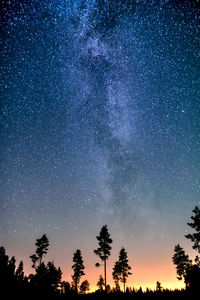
(100, 118)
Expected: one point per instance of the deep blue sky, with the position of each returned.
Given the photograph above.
(100, 123)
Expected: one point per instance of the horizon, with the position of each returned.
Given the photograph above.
(164, 273)
(100, 125)
(133, 281)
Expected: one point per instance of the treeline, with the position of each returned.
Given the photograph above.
(46, 279)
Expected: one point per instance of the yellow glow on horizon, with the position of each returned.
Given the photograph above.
(145, 274)
(151, 286)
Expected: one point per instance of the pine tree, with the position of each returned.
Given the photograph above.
(182, 262)
(100, 283)
(78, 268)
(54, 275)
(116, 275)
(184, 266)
(7, 268)
(65, 287)
(20, 272)
(124, 266)
(84, 287)
(47, 278)
(42, 245)
(158, 286)
(103, 251)
(195, 237)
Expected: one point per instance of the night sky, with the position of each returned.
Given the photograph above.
(100, 124)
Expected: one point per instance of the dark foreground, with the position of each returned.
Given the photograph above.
(165, 294)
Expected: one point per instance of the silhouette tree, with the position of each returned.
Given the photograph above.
(192, 278)
(65, 287)
(108, 289)
(184, 266)
(42, 245)
(100, 283)
(121, 268)
(197, 261)
(158, 286)
(84, 287)
(7, 271)
(20, 272)
(182, 262)
(54, 276)
(12, 282)
(34, 259)
(195, 237)
(128, 291)
(46, 279)
(40, 281)
(11, 266)
(140, 291)
(78, 268)
(103, 251)
(116, 275)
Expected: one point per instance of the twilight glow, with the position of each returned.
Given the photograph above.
(100, 125)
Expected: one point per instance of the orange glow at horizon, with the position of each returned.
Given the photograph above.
(145, 272)
(148, 267)
(142, 277)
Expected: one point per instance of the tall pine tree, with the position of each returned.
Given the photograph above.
(121, 268)
(78, 268)
(104, 249)
(42, 246)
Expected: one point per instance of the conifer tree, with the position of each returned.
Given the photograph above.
(195, 237)
(100, 283)
(78, 268)
(42, 245)
(116, 275)
(122, 268)
(104, 249)
(182, 262)
(20, 272)
(84, 287)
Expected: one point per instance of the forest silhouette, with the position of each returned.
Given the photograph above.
(46, 279)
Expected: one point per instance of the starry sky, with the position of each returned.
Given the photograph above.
(100, 124)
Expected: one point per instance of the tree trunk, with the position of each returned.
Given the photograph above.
(105, 274)
(124, 281)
